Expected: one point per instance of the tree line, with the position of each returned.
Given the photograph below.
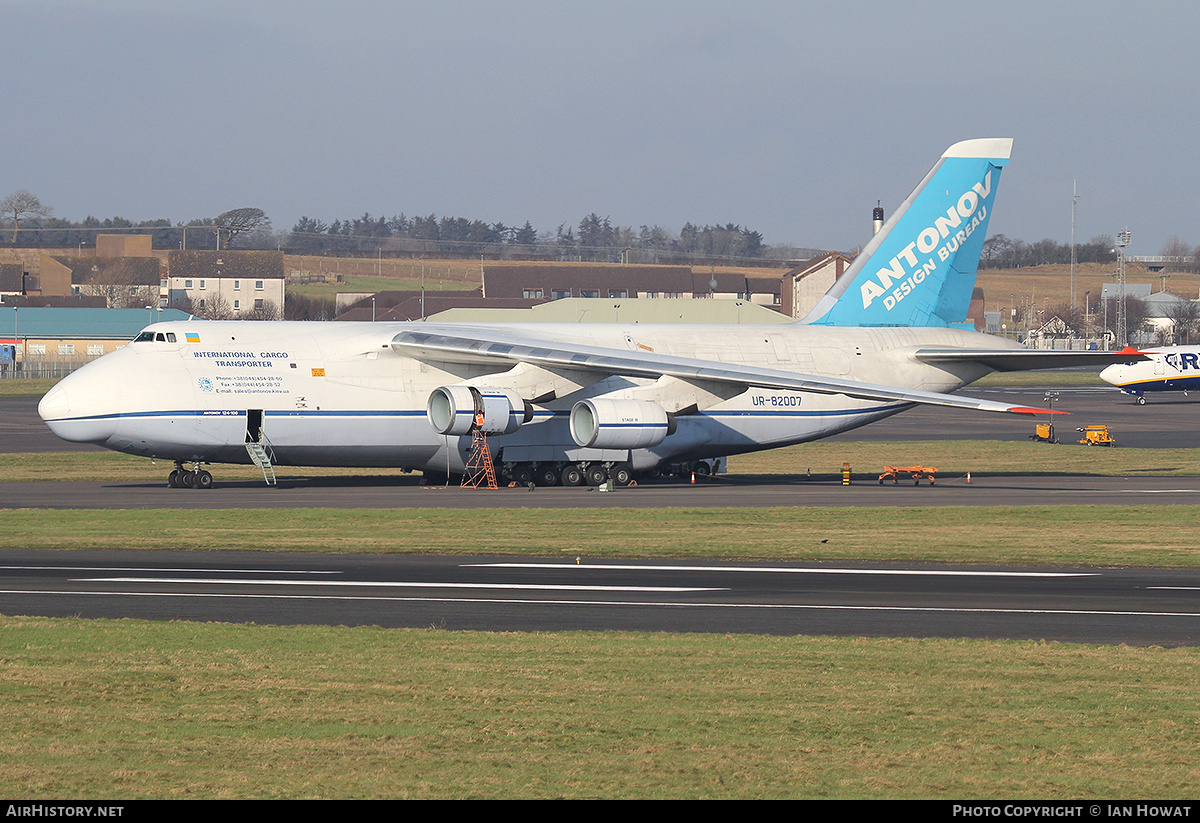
(1002, 252)
(595, 238)
(29, 222)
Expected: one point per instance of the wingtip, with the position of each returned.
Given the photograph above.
(1031, 410)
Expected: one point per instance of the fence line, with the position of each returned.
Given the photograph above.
(34, 367)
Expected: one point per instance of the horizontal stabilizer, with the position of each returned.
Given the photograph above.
(1028, 359)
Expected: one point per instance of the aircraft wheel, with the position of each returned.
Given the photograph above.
(1141, 401)
(622, 475)
(547, 475)
(202, 480)
(186, 479)
(173, 479)
(702, 469)
(523, 474)
(596, 474)
(572, 475)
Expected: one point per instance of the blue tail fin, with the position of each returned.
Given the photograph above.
(919, 269)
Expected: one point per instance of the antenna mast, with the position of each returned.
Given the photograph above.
(1074, 255)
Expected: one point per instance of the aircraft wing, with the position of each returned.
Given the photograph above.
(460, 344)
(1029, 359)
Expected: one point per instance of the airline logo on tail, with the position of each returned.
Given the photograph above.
(907, 270)
(919, 269)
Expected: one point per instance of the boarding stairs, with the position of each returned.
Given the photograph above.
(260, 454)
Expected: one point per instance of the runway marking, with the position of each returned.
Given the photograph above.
(396, 584)
(676, 605)
(162, 569)
(1159, 491)
(1176, 588)
(778, 570)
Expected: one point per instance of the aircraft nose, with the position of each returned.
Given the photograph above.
(1112, 374)
(55, 404)
(64, 411)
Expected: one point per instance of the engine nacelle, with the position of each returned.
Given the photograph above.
(619, 424)
(454, 410)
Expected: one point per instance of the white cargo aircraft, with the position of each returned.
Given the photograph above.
(1169, 368)
(571, 403)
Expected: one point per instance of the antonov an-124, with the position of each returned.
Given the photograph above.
(571, 403)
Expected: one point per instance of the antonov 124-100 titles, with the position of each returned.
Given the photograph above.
(571, 403)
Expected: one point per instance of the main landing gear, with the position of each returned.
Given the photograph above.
(182, 478)
(569, 474)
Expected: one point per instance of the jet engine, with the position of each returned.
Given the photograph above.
(454, 410)
(620, 424)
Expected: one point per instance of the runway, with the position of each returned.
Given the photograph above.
(1133, 606)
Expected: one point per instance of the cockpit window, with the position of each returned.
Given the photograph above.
(170, 337)
(160, 338)
(144, 337)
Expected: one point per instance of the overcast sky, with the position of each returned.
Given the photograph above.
(791, 118)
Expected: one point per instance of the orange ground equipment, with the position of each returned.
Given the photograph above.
(915, 472)
(1043, 433)
(1096, 436)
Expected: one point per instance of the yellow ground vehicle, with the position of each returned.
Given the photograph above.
(1096, 436)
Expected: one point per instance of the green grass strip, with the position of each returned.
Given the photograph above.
(130, 709)
(1085, 535)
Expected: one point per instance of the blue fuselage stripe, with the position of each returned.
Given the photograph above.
(383, 413)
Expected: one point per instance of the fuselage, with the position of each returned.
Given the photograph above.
(336, 394)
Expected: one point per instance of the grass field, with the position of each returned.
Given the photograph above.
(126, 709)
(1075, 535)
(1047, 287)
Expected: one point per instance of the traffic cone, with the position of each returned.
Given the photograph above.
(693, 477)
(968, 477)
